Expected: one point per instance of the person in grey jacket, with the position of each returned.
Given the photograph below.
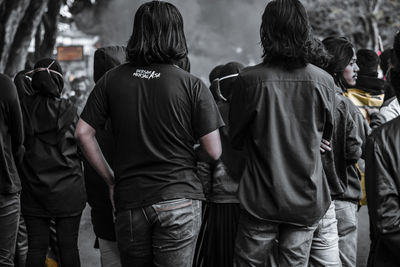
(280, 111)
(343, 68)
(346, 150)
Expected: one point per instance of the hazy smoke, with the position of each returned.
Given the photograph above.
(217, 31)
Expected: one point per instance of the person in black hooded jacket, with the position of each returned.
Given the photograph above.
(52, 183)
(215, 245)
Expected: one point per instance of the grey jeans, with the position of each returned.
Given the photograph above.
(325, 244)
(347, 220)
(256, 238)
(163, 234)
(109, 253)
(9, 222)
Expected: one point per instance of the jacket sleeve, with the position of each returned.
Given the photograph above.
(330, 106)
(391, 111)
(383, 195)
(376, 120)
(353, 142)
(363, 130)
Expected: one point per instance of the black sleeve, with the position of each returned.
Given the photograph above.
(206, 114)
(16, 128)
(96, 109)
(329, 99)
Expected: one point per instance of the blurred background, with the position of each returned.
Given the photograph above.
(216, 31)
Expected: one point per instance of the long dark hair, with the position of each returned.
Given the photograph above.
(285, 34)
(342, 51)
(157, 35)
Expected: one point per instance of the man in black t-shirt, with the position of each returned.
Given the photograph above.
(158, 112)
(11, 153)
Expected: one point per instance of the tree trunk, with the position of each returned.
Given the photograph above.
(11, 13)
(374, 32)
(39, 36)
(50, 21)
(372, 8)
(25, 33)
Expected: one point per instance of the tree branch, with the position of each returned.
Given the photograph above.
(12, 12)
(25, 33)
(50, 22)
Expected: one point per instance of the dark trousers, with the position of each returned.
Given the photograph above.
(163, 234)
(9, 221)
(67, 229)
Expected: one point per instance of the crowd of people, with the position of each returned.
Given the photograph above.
(266, 167)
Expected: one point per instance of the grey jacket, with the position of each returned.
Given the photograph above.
(346, 148)
(278, 118)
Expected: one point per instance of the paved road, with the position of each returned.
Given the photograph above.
(363, 237)
(90, 256)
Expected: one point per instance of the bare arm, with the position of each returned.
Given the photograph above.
(211, 145)
(85, 134)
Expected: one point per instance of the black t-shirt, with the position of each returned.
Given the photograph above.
(11, 137)
(157, 114)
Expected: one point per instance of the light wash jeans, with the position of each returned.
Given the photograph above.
(163, 234)
(347, 217)
(325, 244)
(109, 253)
(256, 238)
(9, 222)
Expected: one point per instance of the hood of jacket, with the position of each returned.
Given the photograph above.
(106, 58)
(47, 78)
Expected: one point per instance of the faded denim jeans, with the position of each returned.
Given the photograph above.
(109, 254)
(347, 217)
(9, 222)
(256, 238)
(163, 234)
(325, 244)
